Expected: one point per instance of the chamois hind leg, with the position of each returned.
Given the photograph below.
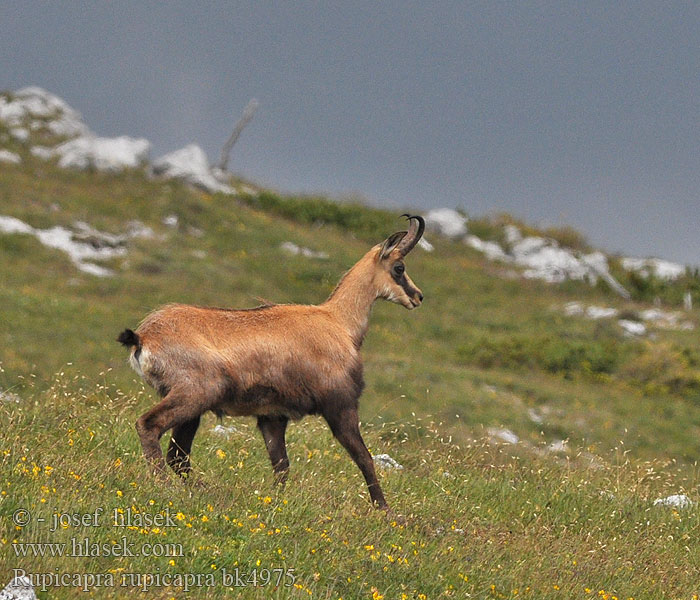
(178, 456)
(175, 409)
(345, 426)
(273, 429)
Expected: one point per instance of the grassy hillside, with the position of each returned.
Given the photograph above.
(486, 350)
(480, 520)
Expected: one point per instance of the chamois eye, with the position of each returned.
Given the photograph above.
(399, 269)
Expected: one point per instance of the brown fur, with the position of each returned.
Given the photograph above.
(276, 363)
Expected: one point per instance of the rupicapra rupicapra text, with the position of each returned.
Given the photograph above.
(274, 362)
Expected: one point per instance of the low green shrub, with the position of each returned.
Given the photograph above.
(367, 222)
(554, 355)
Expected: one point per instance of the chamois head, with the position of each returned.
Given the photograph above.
(391, 279)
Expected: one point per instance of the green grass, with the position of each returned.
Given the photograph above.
(485, 350)
(473, 519)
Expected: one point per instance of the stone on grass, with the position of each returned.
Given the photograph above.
(447, 222)
(492, 250)
(543, 258)
(36, 108)
(20, 133)
(675, 501)
(663, 269)
(103, 154)
(292, 248)
(223, 430)
(632, 327)
(191, 165)
(9, 397)
(83, 244)
(573, 309)
(425, 245)
(384, 461)
(505, 436)
(558, 446)
(601, 312)
(42, 152)
(10, 157)
(20, 588)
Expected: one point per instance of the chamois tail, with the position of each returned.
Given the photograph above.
(128, 338)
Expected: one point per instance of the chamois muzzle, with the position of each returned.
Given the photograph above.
(415, 232)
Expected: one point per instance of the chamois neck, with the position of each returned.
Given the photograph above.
(351, 301)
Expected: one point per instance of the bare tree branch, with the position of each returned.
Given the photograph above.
(248, 113)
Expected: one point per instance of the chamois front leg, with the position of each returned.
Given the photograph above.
(174, 410)
(178, 456)
(273, 429)
(345, 426)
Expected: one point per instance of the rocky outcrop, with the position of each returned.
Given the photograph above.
(662, 269)
(190, 164)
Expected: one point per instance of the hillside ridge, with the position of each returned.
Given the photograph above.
(45, 126)
(547, 429)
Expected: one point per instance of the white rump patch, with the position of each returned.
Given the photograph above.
(142, 363)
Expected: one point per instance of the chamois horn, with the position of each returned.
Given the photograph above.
(415, 232)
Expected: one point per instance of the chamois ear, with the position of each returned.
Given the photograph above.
(390, 243)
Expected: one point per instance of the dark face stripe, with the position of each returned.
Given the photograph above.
(402, 280)
(409, 290)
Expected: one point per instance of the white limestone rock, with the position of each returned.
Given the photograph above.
(14, 225)
(663, 269)
(425, 245)
(513, 235)
(675, 501)
(223, 430)
(447, 222)
(20, 588)
(35, 107)
(190, 164)
(632, 328)
(137, 229)
(292, 248)
(83, 244)
(9, 157)
(558, 446)
(492, 250)
(574, 309)
(666, 319)
(42, 152)
(103, 154)
(80, 250)
(9, 397)
(601, 312)
(534, 416)
(543, 258)
(505, 436)
(20, 133)
(171, 220)
(32, 109)
(598, 263)
(386, 462)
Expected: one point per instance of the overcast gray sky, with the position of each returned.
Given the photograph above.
(581, 113)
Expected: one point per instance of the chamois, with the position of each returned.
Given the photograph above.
(274, 362)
